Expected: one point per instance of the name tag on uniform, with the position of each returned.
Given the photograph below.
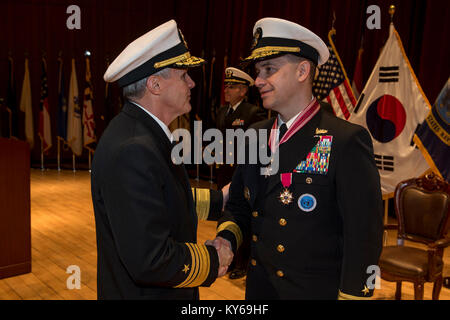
(318, 159)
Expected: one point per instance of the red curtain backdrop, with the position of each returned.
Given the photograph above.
(213, 27)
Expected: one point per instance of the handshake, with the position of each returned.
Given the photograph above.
(224, 252)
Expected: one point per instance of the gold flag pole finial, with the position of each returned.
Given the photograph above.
(334, 20)
(392, 11)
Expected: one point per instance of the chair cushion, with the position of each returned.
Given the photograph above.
(406, 261)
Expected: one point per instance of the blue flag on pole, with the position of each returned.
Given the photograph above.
(433, 136)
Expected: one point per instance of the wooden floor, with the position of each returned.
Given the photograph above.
(63, 234)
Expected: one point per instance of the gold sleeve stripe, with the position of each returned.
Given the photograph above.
(202, 199)
(192, 271)
(344, 296)
(234, 228)
(204, 266)
(200, 265)
(195, 264)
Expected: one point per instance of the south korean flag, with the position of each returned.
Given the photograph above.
(391, 107)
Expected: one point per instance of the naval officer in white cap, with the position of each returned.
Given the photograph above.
(145, 215)
(238, 113)
(316, 223)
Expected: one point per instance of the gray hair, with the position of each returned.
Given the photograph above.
(136, 90)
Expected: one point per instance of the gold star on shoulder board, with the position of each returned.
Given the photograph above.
(186, 268)
(365, 290)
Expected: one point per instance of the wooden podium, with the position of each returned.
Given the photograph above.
(15, 224)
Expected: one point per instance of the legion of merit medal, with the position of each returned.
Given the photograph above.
(286, 196)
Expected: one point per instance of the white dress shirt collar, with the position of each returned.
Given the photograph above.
(237, 105)
(159, 122)
(290, 121)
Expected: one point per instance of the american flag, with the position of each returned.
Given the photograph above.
(332, 85)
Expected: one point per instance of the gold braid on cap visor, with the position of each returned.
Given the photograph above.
(270, 50)
(182, 60)
(235, 81)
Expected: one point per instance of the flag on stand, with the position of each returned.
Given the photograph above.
(222, 92)
(433, 136)
(108, 112)
(26, 106)
(62, 104)
(391, 107)
(201, 94)
(211, 104)
(11, 99)
(44, 113)
(74, 128)
(112, 104)
(332, 85)
(209, 96)
(89, 136)
(357, 82)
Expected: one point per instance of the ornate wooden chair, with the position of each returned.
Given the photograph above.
(422, 206)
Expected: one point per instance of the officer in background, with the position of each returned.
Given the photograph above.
(316, 220)
(236, 114)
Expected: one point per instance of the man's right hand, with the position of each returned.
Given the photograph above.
(224, 252)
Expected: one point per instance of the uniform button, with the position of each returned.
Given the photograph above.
(255, 238)
(282, 222)
(280, 273)
(280, 248)
(253, 262)
(255, 214)
(309, 180)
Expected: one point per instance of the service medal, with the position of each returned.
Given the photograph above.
(286, 196)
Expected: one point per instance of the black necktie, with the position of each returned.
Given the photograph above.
(283, 129)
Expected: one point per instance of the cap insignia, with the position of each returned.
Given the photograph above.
(256, 37)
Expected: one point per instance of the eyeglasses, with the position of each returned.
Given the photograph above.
(231, 86)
